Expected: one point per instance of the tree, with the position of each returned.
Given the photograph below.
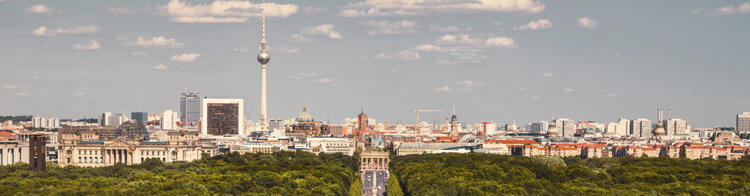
(393, 187)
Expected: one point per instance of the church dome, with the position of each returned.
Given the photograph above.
(304, 116)
(132, 130)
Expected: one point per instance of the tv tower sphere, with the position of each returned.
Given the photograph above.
(263, 56)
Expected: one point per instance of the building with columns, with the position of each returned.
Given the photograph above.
(88, 147)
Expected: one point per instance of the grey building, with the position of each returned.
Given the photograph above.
(190, 109)
(140, 117)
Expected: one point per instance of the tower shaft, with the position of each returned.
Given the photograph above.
(263, 101)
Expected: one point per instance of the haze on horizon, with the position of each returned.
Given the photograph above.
(522, 60)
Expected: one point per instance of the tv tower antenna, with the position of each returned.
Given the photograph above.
(263, 59)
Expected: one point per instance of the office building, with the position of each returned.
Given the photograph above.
(169, 120)
(222, 116)
(676, 127)
(190, 110)
(539, 127)
(641, 128)
(45, 123)
(140, 117)
(743, 122)
(566, 127)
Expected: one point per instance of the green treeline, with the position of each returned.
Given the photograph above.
(485, 174)
(282, 173)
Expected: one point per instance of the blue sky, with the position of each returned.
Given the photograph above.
(499, 60)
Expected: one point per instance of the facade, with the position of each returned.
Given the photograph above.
(109, 119)
(641, 128)
(743, 124)
(676, 127)
(332, 145)
(37, 153)
(87, 148)
(190, 110)
(539, 127)
(46, 123)
(566, 127)
(257, 147)
(222, 116)
(140, 117)
(169, 120)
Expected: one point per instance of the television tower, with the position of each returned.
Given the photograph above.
(263, 59)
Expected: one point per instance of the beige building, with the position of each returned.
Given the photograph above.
(88, 147)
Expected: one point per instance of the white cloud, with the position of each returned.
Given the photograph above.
(288, 50)
(298, 38)
(39, 9)
(568, 90)
(535, 25)
(44, 31)
(303, 75)
(21, 94)
(91, 45)
(422, 7)
(403, 55)
(459, 86)
(314, 9)
(430, 48)
(11, 86)
(444, 88)
(325, 30)
(588, 22)
(325, 80)
(438, 28)
(78, 94)
(385, 27)
(224, 11)
(743, 8)
(546, 74)
(138, 53)
(535, 97)
(185, 57)
(159, 67)
(506, 42)
(160, 42)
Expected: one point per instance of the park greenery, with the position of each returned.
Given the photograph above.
(486, 174)
(281, 173)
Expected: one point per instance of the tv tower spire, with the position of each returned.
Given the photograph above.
(263, 59)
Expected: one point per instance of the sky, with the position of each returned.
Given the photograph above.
(494, 60)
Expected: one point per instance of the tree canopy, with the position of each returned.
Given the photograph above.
(281, 173)
(486, 174)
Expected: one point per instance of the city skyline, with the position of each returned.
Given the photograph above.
(527, 62)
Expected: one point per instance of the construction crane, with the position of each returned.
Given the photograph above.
(420, 111)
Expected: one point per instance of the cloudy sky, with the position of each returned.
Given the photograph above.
(499, 60)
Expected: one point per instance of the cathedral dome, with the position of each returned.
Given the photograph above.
(304, 116)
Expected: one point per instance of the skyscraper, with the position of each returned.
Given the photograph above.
(140, 117)
(641, 127)
(222, 116)
(565, 126)
(263, 59)
(169, 120)
(104, 120)
(190, 110)
(743, 124)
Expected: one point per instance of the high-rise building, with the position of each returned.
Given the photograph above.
(676, 127)
(222, 116)
(190, 110)
(641, 127)
(140, 117)
(47, 123)
(169, 120)
(109, 119)
(104, 120)
(566, 127)
(539, 127)
(743, 122)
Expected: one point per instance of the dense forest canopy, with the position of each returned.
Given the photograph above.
(281, 173)
(486, 174)
(15, 118)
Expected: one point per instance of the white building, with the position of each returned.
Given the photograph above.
(331, 145)
(223, 116)
(109, 119)
(46, 123)
(677, 127)
(539, 127)
(566, 127)
(641, 127)
(169, 120)
(743, 123)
